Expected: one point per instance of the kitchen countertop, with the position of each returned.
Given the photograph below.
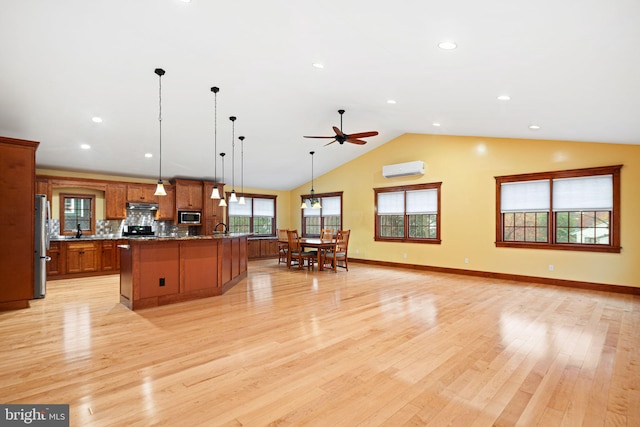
(145, 238)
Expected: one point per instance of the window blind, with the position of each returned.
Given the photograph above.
(583, 193)
(422, 201)
(525, 196)
(263, 207)
(330, 206)
(236, 209)
(391, 203)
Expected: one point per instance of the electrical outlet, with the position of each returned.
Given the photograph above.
(357, 251)
(466, 260)
(405, 255)
(162, 281)
(551, 267)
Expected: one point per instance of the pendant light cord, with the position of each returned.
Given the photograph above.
(233, 152)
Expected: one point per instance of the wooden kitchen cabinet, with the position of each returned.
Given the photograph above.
(211, 212)
(141, 193)
(17, 216)
(262, 248)
(116, 201)
(108, 255)
(167, 204)
(189, 195)
(55, 264)
(82, 257)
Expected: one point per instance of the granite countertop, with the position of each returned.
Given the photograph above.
(145, 238)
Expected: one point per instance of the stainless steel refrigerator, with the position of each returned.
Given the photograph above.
(41, 245)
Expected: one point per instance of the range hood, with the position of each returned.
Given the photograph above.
(137, 206)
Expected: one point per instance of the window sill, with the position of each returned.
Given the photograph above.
(561, 247)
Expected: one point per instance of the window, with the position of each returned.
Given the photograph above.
(329, 216)
(257, 215)
(573, 209)
(408, 214)
(77, 210)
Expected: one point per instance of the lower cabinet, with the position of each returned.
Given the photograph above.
(262, 248)
(82, 257)
(108, 255)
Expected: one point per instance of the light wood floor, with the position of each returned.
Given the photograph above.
(372, 346)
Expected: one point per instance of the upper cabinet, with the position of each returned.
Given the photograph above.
(116, 201)
(141, 193)
(189, 195)
(167, 204)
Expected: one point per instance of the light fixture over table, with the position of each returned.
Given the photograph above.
(160, 187)
(315, 202)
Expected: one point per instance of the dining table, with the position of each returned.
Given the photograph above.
(319, 244)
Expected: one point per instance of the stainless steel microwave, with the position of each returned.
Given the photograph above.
(189, 217)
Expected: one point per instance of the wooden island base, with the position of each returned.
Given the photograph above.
(162, 271)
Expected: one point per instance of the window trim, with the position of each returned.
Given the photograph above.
(257, 196)
(405, 188)
(614, 243)
(62, 198)
(320, 196)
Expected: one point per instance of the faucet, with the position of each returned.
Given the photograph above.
(79, 232)
(223, 224)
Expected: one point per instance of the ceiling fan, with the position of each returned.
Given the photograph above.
(342, 137)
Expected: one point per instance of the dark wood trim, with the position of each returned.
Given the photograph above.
(504, 276)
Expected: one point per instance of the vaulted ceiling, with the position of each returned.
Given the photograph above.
(569, 67)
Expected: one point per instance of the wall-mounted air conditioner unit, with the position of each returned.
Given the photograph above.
(403, 169)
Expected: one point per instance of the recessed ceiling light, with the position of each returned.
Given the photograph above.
(96, 119)
(85, 146)
(391, 101)
(534, 127)
(318, 65)
(504, 98)
(148, 155)
(436, 124)
(447, 45)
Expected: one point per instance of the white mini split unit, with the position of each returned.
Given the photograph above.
(403, 169)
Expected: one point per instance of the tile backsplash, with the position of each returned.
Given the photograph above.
(134, 217)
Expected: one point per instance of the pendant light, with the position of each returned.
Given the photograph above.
(233, 197)
(223, 202)
(242, 201)
(160, 187)
(315, 203)
(215, 193)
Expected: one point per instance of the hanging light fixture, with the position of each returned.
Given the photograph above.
(242, 201)
(215, 193)
(223, 202)
(233, 197)
(315, 202)
(160, 187)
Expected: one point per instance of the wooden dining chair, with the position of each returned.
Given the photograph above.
(283, 245)
(331, 259)
(297, 253)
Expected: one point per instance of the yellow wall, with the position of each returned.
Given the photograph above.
(466, 166)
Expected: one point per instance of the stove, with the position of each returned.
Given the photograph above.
(137, 231)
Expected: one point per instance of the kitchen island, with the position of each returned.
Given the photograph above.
(157, 271)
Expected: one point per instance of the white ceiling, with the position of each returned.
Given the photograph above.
(571, 67)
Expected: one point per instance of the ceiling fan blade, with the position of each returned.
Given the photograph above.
(356, 141)
(318, 136)
(330, 142)
(362, 134)
(338, 131)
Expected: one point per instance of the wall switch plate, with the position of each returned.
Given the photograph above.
(162, 281)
